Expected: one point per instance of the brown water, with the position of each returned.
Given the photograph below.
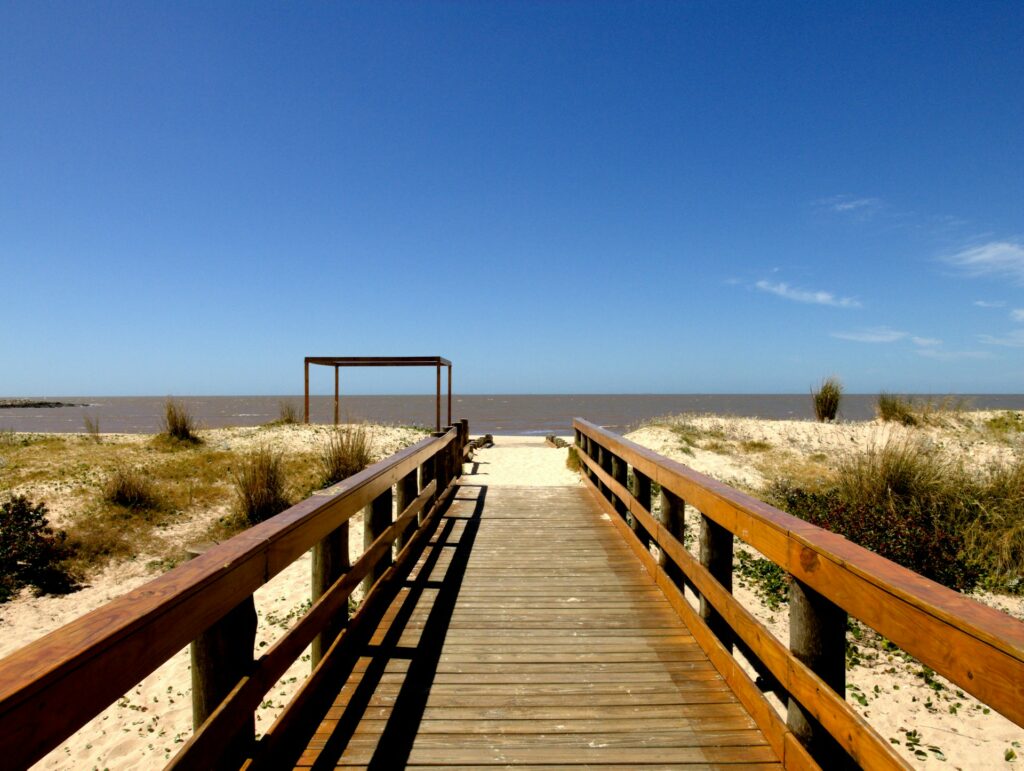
(513, 414)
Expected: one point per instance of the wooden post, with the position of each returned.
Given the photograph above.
(437, 467)
(465, 437)
(620, 473)
(330, 562)
(449, 393)
(604, 460)
(642, 493)
(335, 395)
(306, 411)
(405, 493)
(437, 405)
(817, 636)
(221, 656)
(671, 517)
(376, 519)
(716, 556)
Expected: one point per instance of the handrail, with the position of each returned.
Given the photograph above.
(53, 686)
(976, 647)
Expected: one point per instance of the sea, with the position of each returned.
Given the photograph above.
(530, 414)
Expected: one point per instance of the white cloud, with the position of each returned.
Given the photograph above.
(996, 258)
(1017, 314)
(783, 289)
(1014, 339)
(872, 335)
(925, 341)
(989, 303)
(847, 203)
(931, 353)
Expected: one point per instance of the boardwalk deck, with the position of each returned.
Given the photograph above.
(528, 634)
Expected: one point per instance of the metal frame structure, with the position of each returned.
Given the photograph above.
(382, 361)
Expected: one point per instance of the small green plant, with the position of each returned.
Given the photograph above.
(131, 488)
(769, 582)
(287, 413)
(826, 399)
(1005, 423)
(178, 422)
(259, 486)
(572, 459)
(347, 451)
(31, 552)
(92, 426)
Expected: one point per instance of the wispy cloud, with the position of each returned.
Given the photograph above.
(1017, 314)
(996, 258)
(932, 353)
(849, 203)
(813, 297)
(990, 303)
(925, 342)
(872, 335)
(1014, 339)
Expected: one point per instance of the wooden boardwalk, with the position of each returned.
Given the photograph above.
(528, 634)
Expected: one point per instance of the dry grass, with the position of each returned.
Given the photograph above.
(260, 486)
(178, 423)
(347, 451)
(131, 488)
(826, 399)
(92, 427)
(287, 412)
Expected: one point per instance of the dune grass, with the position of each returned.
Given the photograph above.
(178, 423)
(826, 399)
(260, 486)
(347, 451)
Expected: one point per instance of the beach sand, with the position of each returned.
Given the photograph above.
(145, 728)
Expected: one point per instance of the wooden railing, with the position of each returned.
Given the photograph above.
(53, 686)
(976, 647)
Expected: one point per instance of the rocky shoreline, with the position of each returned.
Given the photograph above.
(15, 404)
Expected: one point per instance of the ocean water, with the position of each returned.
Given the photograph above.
(497, 414)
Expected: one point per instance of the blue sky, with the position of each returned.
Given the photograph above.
(560, 197)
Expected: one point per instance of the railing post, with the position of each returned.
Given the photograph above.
(620, 473)
(405, 493)
(330, 562)
(221, 656)
(817, 636)
(376, 519)
(716, 556)
(642, 493)
(604, 460)
(671, 517)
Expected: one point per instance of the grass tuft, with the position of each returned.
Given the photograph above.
(572, 459)
(178, 422)
(347, 451)
(898, 409)
(287, 412)
(130, 488)
(259, 486)
(92, 427)
(826, 399)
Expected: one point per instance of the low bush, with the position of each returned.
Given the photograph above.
(259, 486)
(178, 422)
(572, 459)
(347, 451)
(130, 488)
(901, 501)
(31, 552)
(826, 399)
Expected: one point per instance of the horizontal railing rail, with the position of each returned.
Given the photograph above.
(53, 686)
(974, 646)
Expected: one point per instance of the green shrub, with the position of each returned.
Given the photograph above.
(826, 399)
(31, 552)
(130, 488)
(259, 486)
(347, 451)
(901, 501)
(178, 422)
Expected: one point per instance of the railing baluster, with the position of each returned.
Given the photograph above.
(376, 519)
(620, 473)
(405, 493)
(642, 493)
(716, 556)
(671, 517)
(817, 636)
(330, 562)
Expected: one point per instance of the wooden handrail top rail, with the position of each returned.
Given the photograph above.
(975, 646)
(113, 647)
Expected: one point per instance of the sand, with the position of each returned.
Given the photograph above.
(146, 727)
